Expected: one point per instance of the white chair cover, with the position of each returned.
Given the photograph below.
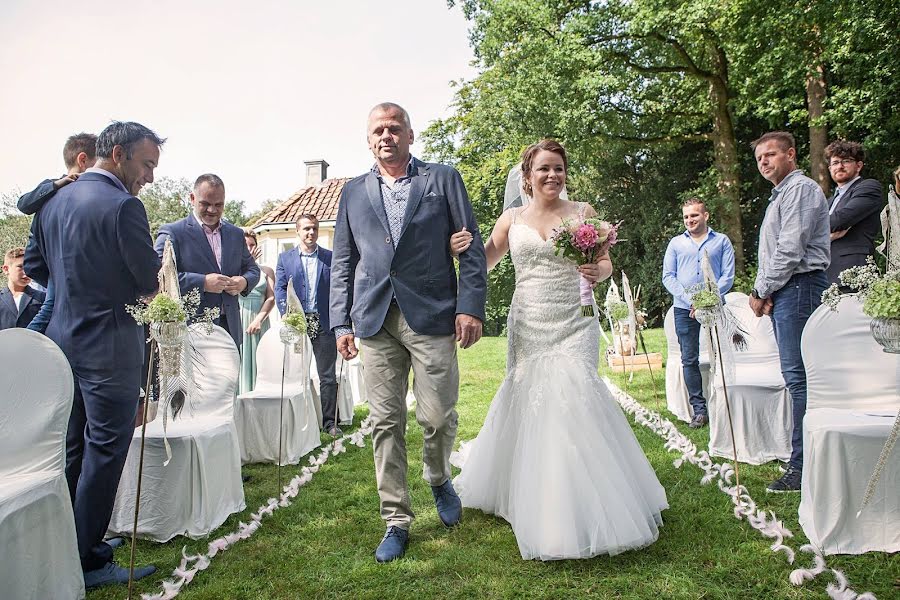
(347, 397)
(259, 412)
(761, 409)
(201, 486)
(676, 391)
(852, 401)
(37, 528)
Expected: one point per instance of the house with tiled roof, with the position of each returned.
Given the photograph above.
(276, 230)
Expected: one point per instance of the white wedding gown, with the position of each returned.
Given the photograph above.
(555, 456)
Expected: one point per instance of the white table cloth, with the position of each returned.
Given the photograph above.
(201, 486)
(37, 529)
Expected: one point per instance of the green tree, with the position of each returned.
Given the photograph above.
(166, 200)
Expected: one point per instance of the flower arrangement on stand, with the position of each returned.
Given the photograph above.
(880, 296)
(584, 241)
(707, 306)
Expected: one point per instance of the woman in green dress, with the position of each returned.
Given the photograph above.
(255, 309)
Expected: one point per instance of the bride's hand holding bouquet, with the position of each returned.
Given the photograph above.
(585, 241)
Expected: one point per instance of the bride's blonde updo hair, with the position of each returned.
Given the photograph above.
(532, 151)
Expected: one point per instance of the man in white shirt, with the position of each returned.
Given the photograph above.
(854, 208)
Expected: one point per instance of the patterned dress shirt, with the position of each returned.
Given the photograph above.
(395, 198)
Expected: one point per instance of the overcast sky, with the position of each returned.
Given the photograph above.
(247, 90)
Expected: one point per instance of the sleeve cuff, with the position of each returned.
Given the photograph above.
(342, 330)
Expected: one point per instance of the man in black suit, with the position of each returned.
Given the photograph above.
(211, 255)
(854, 208)
(92, 239)
(18, 302)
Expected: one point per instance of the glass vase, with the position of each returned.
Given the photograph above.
(707, 316)
(887, 333)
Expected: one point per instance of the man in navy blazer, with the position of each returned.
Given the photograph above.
(19, 303)
(211, 255)
(92, 239)
(310, 267)
(394, 282)
(854, 208)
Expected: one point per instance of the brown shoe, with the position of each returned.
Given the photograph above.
(699, 421)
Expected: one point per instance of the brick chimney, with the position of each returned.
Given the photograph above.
(316, 172)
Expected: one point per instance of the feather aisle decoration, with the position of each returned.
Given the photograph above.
(191, 565)
(745, 507)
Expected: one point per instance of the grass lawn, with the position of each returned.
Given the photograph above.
(322, 545)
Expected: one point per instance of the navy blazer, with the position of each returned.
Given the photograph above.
(366, 270)
(195, 259)
(290, 265)
(93, 240)
(859, 209)
(10, 316)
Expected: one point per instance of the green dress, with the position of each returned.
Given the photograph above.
(250, 307)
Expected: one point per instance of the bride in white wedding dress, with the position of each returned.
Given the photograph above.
(555, 456)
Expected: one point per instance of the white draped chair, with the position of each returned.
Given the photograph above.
(201, 486)
(37, 528)
(760, 403)
(677, 400)
(853, 397)
(259, 412)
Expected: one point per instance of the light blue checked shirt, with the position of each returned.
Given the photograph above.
(681, 265)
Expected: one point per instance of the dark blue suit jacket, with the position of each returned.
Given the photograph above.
(10, 316)
(290, 265)
(859, 210)
(93, 240)
(195, 259)
(366, 271)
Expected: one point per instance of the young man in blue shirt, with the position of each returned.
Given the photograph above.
(681, 271)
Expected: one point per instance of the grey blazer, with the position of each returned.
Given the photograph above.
(367, 272)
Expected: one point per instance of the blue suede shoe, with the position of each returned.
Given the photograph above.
(111, 573)
(115, 542)
(393, 545)
(449, 506)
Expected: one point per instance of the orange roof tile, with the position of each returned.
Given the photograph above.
(321, 200)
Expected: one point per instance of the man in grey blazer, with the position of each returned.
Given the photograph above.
(854, 208)
(393, 284)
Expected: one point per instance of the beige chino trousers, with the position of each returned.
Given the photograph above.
(386, 358)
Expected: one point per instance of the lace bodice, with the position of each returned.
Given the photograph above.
(545, 314)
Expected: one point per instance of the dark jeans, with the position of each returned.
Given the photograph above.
(101, 426)
(325, 351)
(688, 331)
(793, 304)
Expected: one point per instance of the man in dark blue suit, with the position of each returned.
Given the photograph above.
(93, 241)
(19, 303)
(211, 255)
(853, 210)
(310, 266)
(394, 282)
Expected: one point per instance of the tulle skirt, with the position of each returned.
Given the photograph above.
(557, 459)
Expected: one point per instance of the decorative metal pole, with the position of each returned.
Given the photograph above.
(714, 334)
(137, 501)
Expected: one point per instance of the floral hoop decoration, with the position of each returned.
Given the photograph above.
(584, 241)
(880, 296)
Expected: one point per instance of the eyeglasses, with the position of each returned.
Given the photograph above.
(843, 161)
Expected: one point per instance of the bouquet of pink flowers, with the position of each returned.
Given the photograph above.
(584, 241)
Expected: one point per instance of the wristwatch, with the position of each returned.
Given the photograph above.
(754, 294)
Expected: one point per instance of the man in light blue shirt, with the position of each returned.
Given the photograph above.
(682, 271)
